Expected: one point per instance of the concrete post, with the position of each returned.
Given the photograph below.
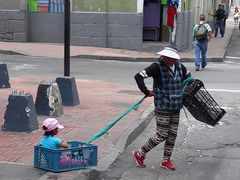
(68, 90)
(4, 78)
(48, 101)
(20, 114)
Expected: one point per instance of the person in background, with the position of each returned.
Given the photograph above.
(168, 74)
(225, 19)
(201, 35)
(50, 127)
(236, 15)
(220, 15)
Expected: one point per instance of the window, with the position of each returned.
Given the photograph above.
(52, 6)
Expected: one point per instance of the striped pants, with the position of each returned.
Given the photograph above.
(167, 126)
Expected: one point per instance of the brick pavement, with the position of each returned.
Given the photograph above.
(100, 103)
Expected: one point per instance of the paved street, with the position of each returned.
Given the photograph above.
(202, 152)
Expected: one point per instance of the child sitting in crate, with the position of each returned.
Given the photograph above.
(50, 127)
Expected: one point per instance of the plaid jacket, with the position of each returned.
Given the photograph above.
(168, 96)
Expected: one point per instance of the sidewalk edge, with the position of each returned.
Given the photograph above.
(119, 58)
(229, 41)
(142, 59)
(9, 52)
(126, 138)
(213, 59)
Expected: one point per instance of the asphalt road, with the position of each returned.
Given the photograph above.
(202, 152)
(114, 71)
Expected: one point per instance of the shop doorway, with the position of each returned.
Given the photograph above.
(152, 20)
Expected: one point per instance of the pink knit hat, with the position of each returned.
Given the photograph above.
(51, 124)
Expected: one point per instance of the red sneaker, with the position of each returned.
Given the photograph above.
(139, 159)
(168, 164)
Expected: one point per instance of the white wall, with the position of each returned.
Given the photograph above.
(139, 6)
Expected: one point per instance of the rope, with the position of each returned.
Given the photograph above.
(185, 83)
(105, 130)
(133, 107)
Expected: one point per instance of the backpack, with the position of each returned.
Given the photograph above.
(201, 32)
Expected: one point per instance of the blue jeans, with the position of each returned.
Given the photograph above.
(201, 47)
(219, 24)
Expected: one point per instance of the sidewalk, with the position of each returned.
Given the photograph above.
(96, 110)
(216, 50)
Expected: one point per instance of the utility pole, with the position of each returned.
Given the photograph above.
(67, 84)
(67, 38)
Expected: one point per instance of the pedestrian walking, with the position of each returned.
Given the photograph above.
(201, 35)
(236, 15)
(50, 127)
(225, 19)
(168, 74)
(220, 15)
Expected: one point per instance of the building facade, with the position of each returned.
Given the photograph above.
(13, 21)
(125, 24)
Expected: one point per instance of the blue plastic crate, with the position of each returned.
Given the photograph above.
(80, 155)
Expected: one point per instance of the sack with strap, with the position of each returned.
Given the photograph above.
(201, 32)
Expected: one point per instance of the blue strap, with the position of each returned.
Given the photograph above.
(105, 130)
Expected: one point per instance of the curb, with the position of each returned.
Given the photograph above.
(141, 59)
(9, 52)
(225, 53)
(214, 59)
(119, 58)
(124, 140)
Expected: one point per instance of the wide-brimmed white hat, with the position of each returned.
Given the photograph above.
(169, 52)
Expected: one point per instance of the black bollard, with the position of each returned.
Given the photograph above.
(4, 78)
(48, 101)
(20, 114)
(68, 90)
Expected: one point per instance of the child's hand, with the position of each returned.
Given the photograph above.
(64, 145)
